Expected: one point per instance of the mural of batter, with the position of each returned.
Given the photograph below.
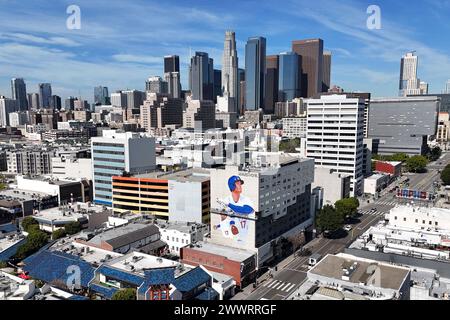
(237, 205)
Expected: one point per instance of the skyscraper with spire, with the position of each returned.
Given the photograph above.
(230, 67)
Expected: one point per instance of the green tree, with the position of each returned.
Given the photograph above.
(3, 264)
(434, 153)
(445, 175)
(328, 219)
(73, 227)
(416, 164)
(347, 207)
(402, 157)
(58, 234)
(27, 222)
(124, 294)
(290, 146)
(35, 241)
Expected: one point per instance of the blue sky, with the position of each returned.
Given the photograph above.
(121, 43)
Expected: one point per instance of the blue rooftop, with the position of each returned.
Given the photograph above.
(121, 275)
(80, 298)
(191, 280)
(208, 294)
(106, 292)
(157, 277)
(53, 266)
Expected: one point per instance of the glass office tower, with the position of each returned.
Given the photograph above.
(255, 70)
(288, 86)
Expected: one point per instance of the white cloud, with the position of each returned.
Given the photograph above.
(22, 37)
(137, 59)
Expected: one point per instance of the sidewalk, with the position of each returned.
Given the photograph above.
(249, 289)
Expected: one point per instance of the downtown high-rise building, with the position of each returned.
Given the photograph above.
(69, 103)
(201, 77)
(19, 93)
(447, 87)
(119, 99)
(173, 84)
(271, 88)
(230, 65)
(409, 83)
(311, 66)
(6, 107)
(255, 73)
(101, 96)
(217, 84)
(171, 64)
(326, 78)
(56, 102)
(135, 98)
(288, 79)
(45, 95)
(335, 136)
(156, 85)
(33, 100)
(241, 92)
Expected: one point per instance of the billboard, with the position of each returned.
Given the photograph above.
(414, 194)
(234, 206)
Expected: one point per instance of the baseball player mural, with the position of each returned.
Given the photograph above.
(238, 209)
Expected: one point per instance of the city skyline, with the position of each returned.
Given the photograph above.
(100, 53)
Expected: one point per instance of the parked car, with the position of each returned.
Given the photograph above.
(348, 228)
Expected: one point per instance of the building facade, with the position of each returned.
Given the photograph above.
(402, 125)
(255, 73)
(336, 134)
(117, 153)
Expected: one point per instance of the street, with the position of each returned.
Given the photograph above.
(292, 271)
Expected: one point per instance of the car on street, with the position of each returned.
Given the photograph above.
(348, 228)
(373, 210)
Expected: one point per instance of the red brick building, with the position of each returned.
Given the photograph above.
(239, 264)
(389, 167)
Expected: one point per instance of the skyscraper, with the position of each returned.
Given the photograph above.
(230, 81)
(33, 100)
(271, 95)
(423, 87)
(171, 64)
(201, 77)
(45, 95)
(56, 102)
(241, 91)
(156, 85)
(173, 83)
(409, 83)
(346, 157)
(6, 107)
(447, 87)
(19, 93)
(101, 96)
(217, 84)
(310, 68)
(119, 99)
(255, 72)
(288, 86)
(69, 103)
(326, 81)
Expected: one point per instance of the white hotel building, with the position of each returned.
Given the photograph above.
(335, 136)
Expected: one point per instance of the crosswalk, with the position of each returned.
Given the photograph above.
(371, 213)
(280, 285)
(387, 202)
